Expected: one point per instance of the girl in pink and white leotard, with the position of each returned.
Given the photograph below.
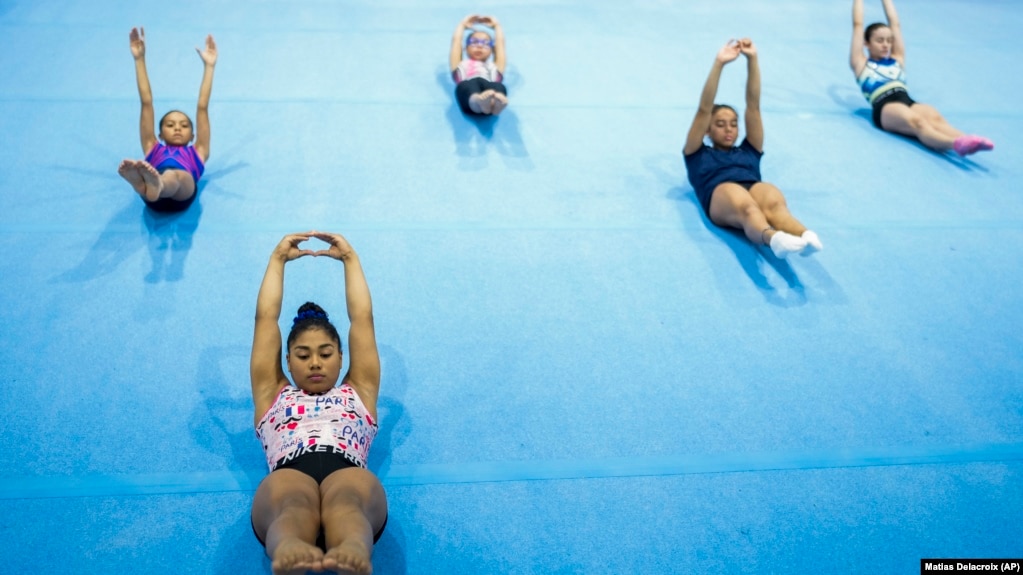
(478, 78)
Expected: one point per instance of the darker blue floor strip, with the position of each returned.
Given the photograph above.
(484, 472)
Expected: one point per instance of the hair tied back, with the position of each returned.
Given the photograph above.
(309, 314)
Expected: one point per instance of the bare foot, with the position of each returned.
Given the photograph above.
(295, 557)
(475, 103)
(129, 171)
(487, 101)
(151, 179)
(500, 101)
(350, 557)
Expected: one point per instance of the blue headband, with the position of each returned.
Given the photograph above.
(308, 314)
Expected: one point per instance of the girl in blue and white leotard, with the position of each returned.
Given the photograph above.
(878, 59)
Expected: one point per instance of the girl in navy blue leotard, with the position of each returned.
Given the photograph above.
(726, 177)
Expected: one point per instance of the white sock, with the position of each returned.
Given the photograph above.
(783, 245)
(813, 243)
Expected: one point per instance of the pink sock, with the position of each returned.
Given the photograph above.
(966, 145)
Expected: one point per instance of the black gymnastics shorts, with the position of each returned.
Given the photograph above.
(466, 88)
(704, 198)
(318, 465)
(897, 95)
(170, 205)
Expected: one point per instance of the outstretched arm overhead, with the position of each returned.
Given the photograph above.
(364, 359)
(898, 48)
(147, 128)
(265, 371)
(455, 57)
(754, 123)
(857, 59)
(701, 123)
(202, 113)
(499, 55)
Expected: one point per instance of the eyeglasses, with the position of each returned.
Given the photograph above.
(479, 42)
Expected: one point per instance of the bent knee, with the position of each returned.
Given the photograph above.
(768, 197)
(732, 205)
(751, 209)
(179, 182)
(773, 205)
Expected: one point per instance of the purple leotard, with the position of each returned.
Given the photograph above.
(163, 157)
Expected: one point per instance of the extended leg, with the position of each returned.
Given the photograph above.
(901, 119)
(353, 507)
(286, 514)
(938, 122)
(129, 170)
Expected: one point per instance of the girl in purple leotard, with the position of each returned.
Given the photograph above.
(166, 179)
